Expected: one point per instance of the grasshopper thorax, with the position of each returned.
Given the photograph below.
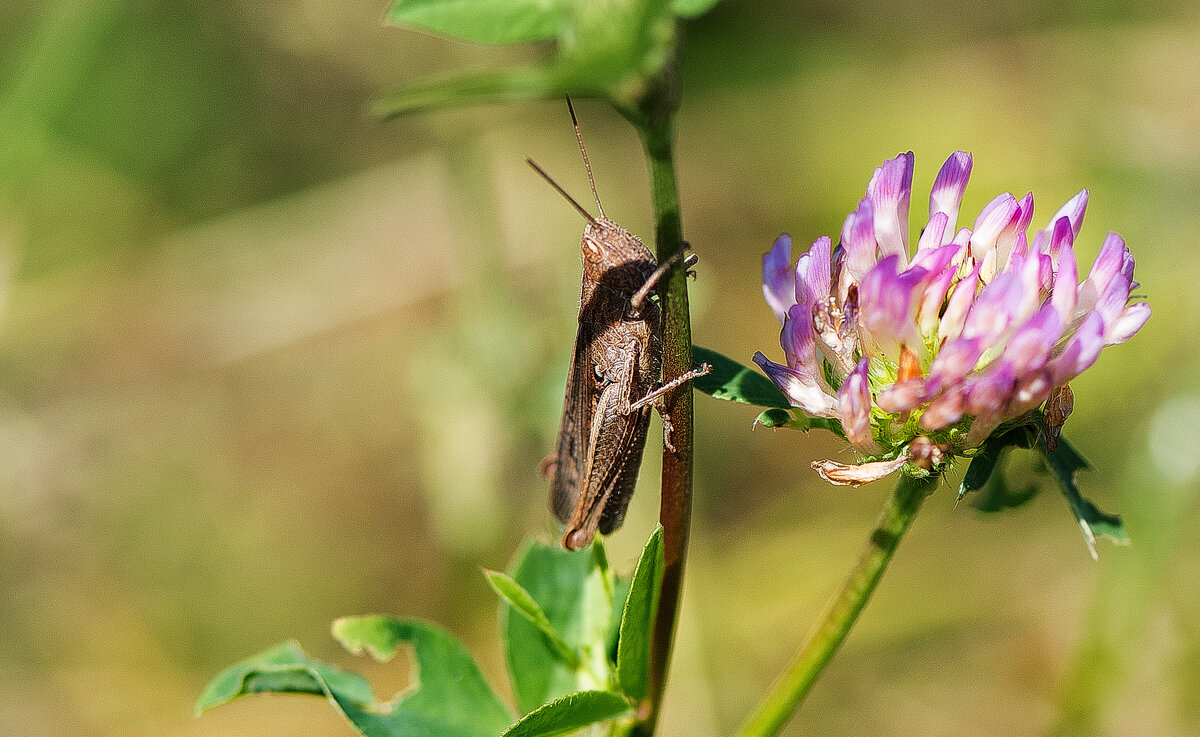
(614, 256)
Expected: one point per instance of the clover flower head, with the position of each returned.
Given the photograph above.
(918, 358)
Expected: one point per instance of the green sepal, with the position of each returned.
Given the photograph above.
(637, 621)
(570, 713)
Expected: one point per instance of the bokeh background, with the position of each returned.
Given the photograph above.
(265, 361)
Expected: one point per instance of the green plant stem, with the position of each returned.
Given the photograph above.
(800, 675)
(654, 120)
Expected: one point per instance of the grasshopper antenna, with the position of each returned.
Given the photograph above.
(563, 192)
(583, 150)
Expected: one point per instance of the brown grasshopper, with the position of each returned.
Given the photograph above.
(614, 376)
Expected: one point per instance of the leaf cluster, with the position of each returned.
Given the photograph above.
(608, 49)
(576, 638)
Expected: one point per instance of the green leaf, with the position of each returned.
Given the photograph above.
(572, 591)
(637, 622)
(985, 474)
(608, 49)
(1064, 463)
(517, 83)
(483, 21)
(998, 495)
(450, 698)
(284, 669)
(519, 599)
(734, 382)
(775, 418)
(691, 8)
(621, 585)
(570, 713)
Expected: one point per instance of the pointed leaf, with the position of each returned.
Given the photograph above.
(572, 591)
(570, 713)
(1064, 463)
(731, 381)
(283, 669)
(450, 697)
(985, 474)
(519, 599)
(997, 494)
(775, 418)
(517, 83)
(483, 21)
(637, 623)
(621, 585)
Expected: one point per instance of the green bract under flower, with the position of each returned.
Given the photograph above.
(919, 358)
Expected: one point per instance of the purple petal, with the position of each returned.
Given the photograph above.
(1073, 211)
(799, 388)
(904, 396)
(935, 295)
(1031, 391)
(1066, 284)
(935, 259)
(1061, 236)
(1109, 263)
(988, 399)
(1111, 304)
(989, 393)
(886, 305)
(797, 340)
(955, 360)
(935, 231)
(995, 217)
(858, 240)
(943, 411)
(1030, 346)
(779, 281)
(889, 191)
(1080, 351)
(959, 306)
(1131, 320)
(855, 399)
(1007, 239)
(996, 308)
(812, 273)
(947, 193)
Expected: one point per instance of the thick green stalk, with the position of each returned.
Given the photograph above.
(796, 681)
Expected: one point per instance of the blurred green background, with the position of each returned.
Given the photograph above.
(265, 361)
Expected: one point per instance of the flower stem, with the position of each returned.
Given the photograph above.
(796, 681)
(654, 119)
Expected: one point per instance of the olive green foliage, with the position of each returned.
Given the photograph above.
(577, 640)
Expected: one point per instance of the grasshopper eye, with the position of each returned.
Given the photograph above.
(599, 374)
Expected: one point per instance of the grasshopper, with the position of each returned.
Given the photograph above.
(614, 376)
